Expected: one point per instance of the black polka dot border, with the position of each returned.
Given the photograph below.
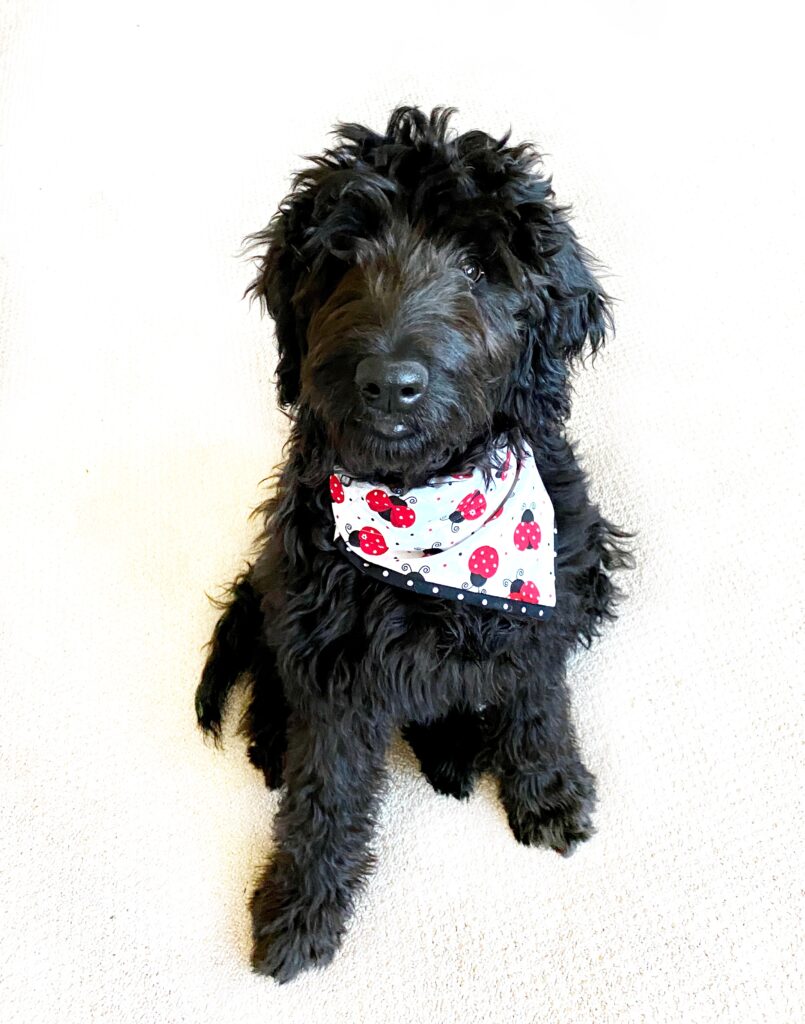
(420, 585)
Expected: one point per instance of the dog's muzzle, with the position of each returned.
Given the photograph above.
(390, 389)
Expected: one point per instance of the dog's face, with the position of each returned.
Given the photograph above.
(427, 294)
(409, 355)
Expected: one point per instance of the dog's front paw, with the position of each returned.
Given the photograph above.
(446, 762)
(292, 931)
(271, 762)
(551, 807)
(450, 778)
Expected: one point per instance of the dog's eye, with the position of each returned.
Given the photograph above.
(474, 271)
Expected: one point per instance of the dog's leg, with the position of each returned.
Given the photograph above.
(447, 750)
(231, 652)
(265, 720)
(547, 792)
(333, 773)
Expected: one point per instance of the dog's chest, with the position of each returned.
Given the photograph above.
(438, 653)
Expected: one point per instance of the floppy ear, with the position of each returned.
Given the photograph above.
(281, 268)
(303, 248)
(576, 309)
(570, 307)
(566, 309)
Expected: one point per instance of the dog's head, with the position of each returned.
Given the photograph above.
(428, 293)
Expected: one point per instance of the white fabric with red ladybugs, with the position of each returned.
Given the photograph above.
(485, 539)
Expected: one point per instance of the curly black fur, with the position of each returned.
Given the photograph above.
(454, 248)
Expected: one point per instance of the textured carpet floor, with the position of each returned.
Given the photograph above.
(140, 143)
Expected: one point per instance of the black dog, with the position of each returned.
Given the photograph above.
(430, 299)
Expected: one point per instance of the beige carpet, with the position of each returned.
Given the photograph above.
(140, 142)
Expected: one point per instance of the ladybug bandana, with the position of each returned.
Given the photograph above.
(484, 539)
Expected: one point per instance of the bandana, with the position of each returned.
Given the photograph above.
(481, 538)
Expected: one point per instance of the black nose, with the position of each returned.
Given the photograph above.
(391, 385)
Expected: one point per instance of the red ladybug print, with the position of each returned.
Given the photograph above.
(471, 507)
(483, 565)
(525, 591)
(400, 514)
(378, 501)
(461, 476)
(336, 489)
(527, 533)
(369, 540)
(391, 508)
